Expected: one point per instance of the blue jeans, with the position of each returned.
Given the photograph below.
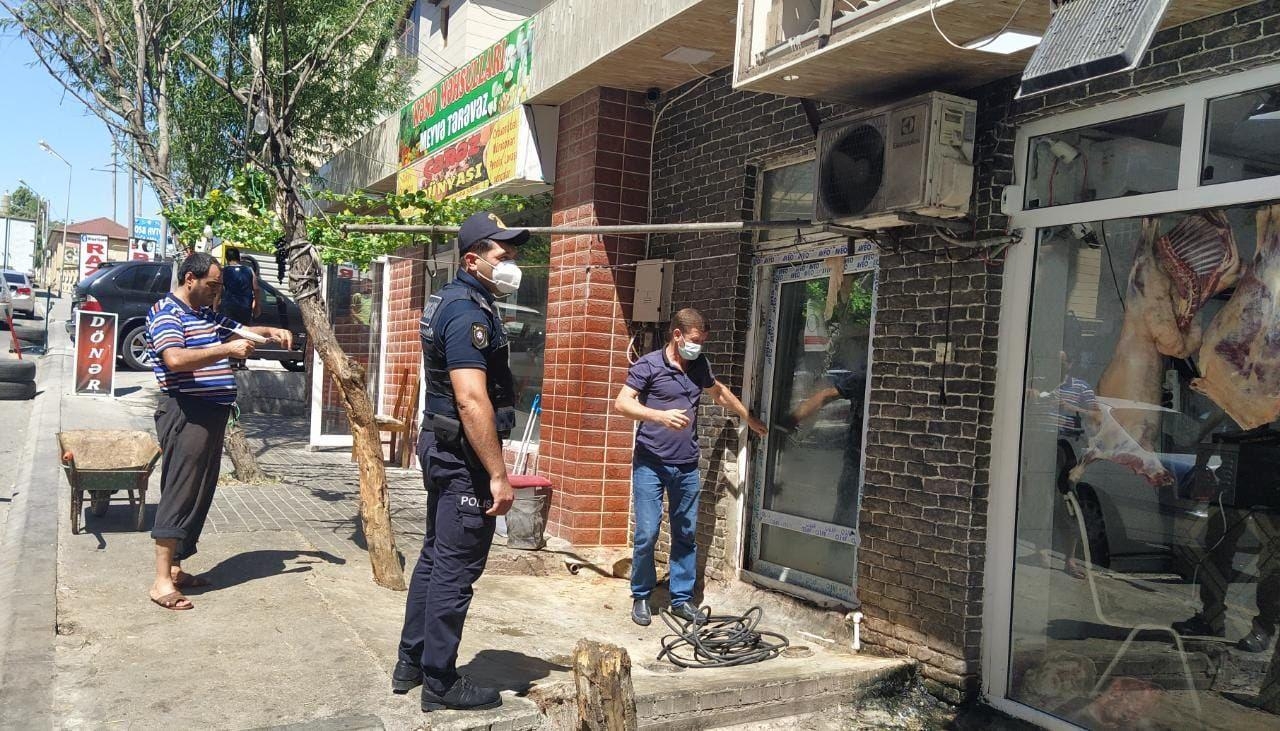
(682, 485)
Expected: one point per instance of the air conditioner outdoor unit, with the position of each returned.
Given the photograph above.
(915, 156)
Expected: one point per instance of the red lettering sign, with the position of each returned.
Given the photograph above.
(95, 356)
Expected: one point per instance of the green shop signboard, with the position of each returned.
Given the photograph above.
(478, 92)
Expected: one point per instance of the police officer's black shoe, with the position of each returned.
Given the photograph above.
(461, 696)
(640, 612)
(686, 612)
(1258, 639)
(405, 677)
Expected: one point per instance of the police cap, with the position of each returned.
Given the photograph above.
(481, 226)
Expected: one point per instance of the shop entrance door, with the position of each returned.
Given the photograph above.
(808, 476)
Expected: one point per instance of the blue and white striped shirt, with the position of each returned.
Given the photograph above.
(172, 324)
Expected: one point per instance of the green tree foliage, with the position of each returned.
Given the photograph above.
(24, 203)
(244, 214)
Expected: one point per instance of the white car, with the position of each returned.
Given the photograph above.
(22, 293)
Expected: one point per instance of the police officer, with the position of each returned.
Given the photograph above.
(470, 409)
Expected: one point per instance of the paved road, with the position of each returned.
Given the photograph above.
(15, 416)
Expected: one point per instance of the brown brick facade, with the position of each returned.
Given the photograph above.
(602, 172)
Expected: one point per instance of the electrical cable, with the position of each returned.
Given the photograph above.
(719, 641)
(1106, 246)
(986, 43)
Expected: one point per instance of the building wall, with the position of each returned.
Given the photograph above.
(922, 524)
(602, 170)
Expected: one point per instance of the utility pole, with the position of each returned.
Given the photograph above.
(115, 174)
(132, 179)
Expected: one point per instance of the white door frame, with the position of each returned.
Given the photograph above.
(1015, 310)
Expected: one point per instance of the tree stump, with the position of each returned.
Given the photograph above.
(241, 454)
(606, 699)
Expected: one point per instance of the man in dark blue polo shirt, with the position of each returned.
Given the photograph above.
(662, 393)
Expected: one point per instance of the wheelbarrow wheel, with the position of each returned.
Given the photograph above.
(98, 504)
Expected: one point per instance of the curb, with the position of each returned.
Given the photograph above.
(29, 567)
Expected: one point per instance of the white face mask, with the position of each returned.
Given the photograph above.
(506, 276)
(690, 351)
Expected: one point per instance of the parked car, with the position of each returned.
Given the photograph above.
(130, 288)
(22, 292)
(6, 306)
(1133, 526)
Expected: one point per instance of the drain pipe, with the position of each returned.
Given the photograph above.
(855, 618)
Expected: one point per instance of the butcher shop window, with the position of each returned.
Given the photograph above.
(1120, 158)
(1242, 137)
(1147, 571)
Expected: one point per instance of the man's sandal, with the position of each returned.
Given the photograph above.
(174, 600)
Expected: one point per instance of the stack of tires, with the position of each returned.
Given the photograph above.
(17, 380)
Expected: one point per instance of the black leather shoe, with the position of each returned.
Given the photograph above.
(1258, 639)
(461, 696)
(686, 612)
(640, 612)
(405, 677)
(1197, 626)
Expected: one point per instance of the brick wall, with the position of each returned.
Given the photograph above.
(602, 171)
(923, 523)
(406, 277)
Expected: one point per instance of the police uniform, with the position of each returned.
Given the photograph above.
(460, 328)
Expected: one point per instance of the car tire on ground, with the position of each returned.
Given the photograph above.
(29, 335)
(294, 366)
(133, 348)
(17, 371)
(22, 391)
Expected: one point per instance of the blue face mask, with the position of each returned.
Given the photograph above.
(690, 351)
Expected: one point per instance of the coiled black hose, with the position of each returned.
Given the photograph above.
(711, 641)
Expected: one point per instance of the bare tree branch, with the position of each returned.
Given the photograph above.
(313, 61)
(222, 83)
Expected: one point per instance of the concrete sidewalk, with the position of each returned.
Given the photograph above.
(294, 632)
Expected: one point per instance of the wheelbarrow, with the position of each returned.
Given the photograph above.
(102, 462)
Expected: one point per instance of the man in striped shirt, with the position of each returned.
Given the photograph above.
(189, 345)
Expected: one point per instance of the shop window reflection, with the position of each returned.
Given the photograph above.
(1147, 579)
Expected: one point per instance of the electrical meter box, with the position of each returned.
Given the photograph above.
(653, 290)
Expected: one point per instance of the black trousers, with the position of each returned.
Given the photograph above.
(1223, 531)
(454, 552)
(190, 430)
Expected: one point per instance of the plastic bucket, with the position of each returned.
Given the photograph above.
(527, 519)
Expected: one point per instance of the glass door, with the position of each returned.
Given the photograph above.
(808, 476)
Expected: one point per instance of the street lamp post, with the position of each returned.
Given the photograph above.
(67, 220)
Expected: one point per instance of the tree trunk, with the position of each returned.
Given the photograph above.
(237, 448)
(349, 379)
(606, 698)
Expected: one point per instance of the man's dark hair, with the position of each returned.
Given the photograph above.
(481, 247)
(198, 264)
(233, 254)
(688, 319)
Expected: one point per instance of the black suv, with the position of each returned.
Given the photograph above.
(130, 288)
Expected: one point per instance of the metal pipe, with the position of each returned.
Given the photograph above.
(626, 228)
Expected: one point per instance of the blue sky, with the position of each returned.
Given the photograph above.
(38, 108)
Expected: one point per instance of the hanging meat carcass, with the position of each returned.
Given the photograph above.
(1172, 278)
(1240, 358)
